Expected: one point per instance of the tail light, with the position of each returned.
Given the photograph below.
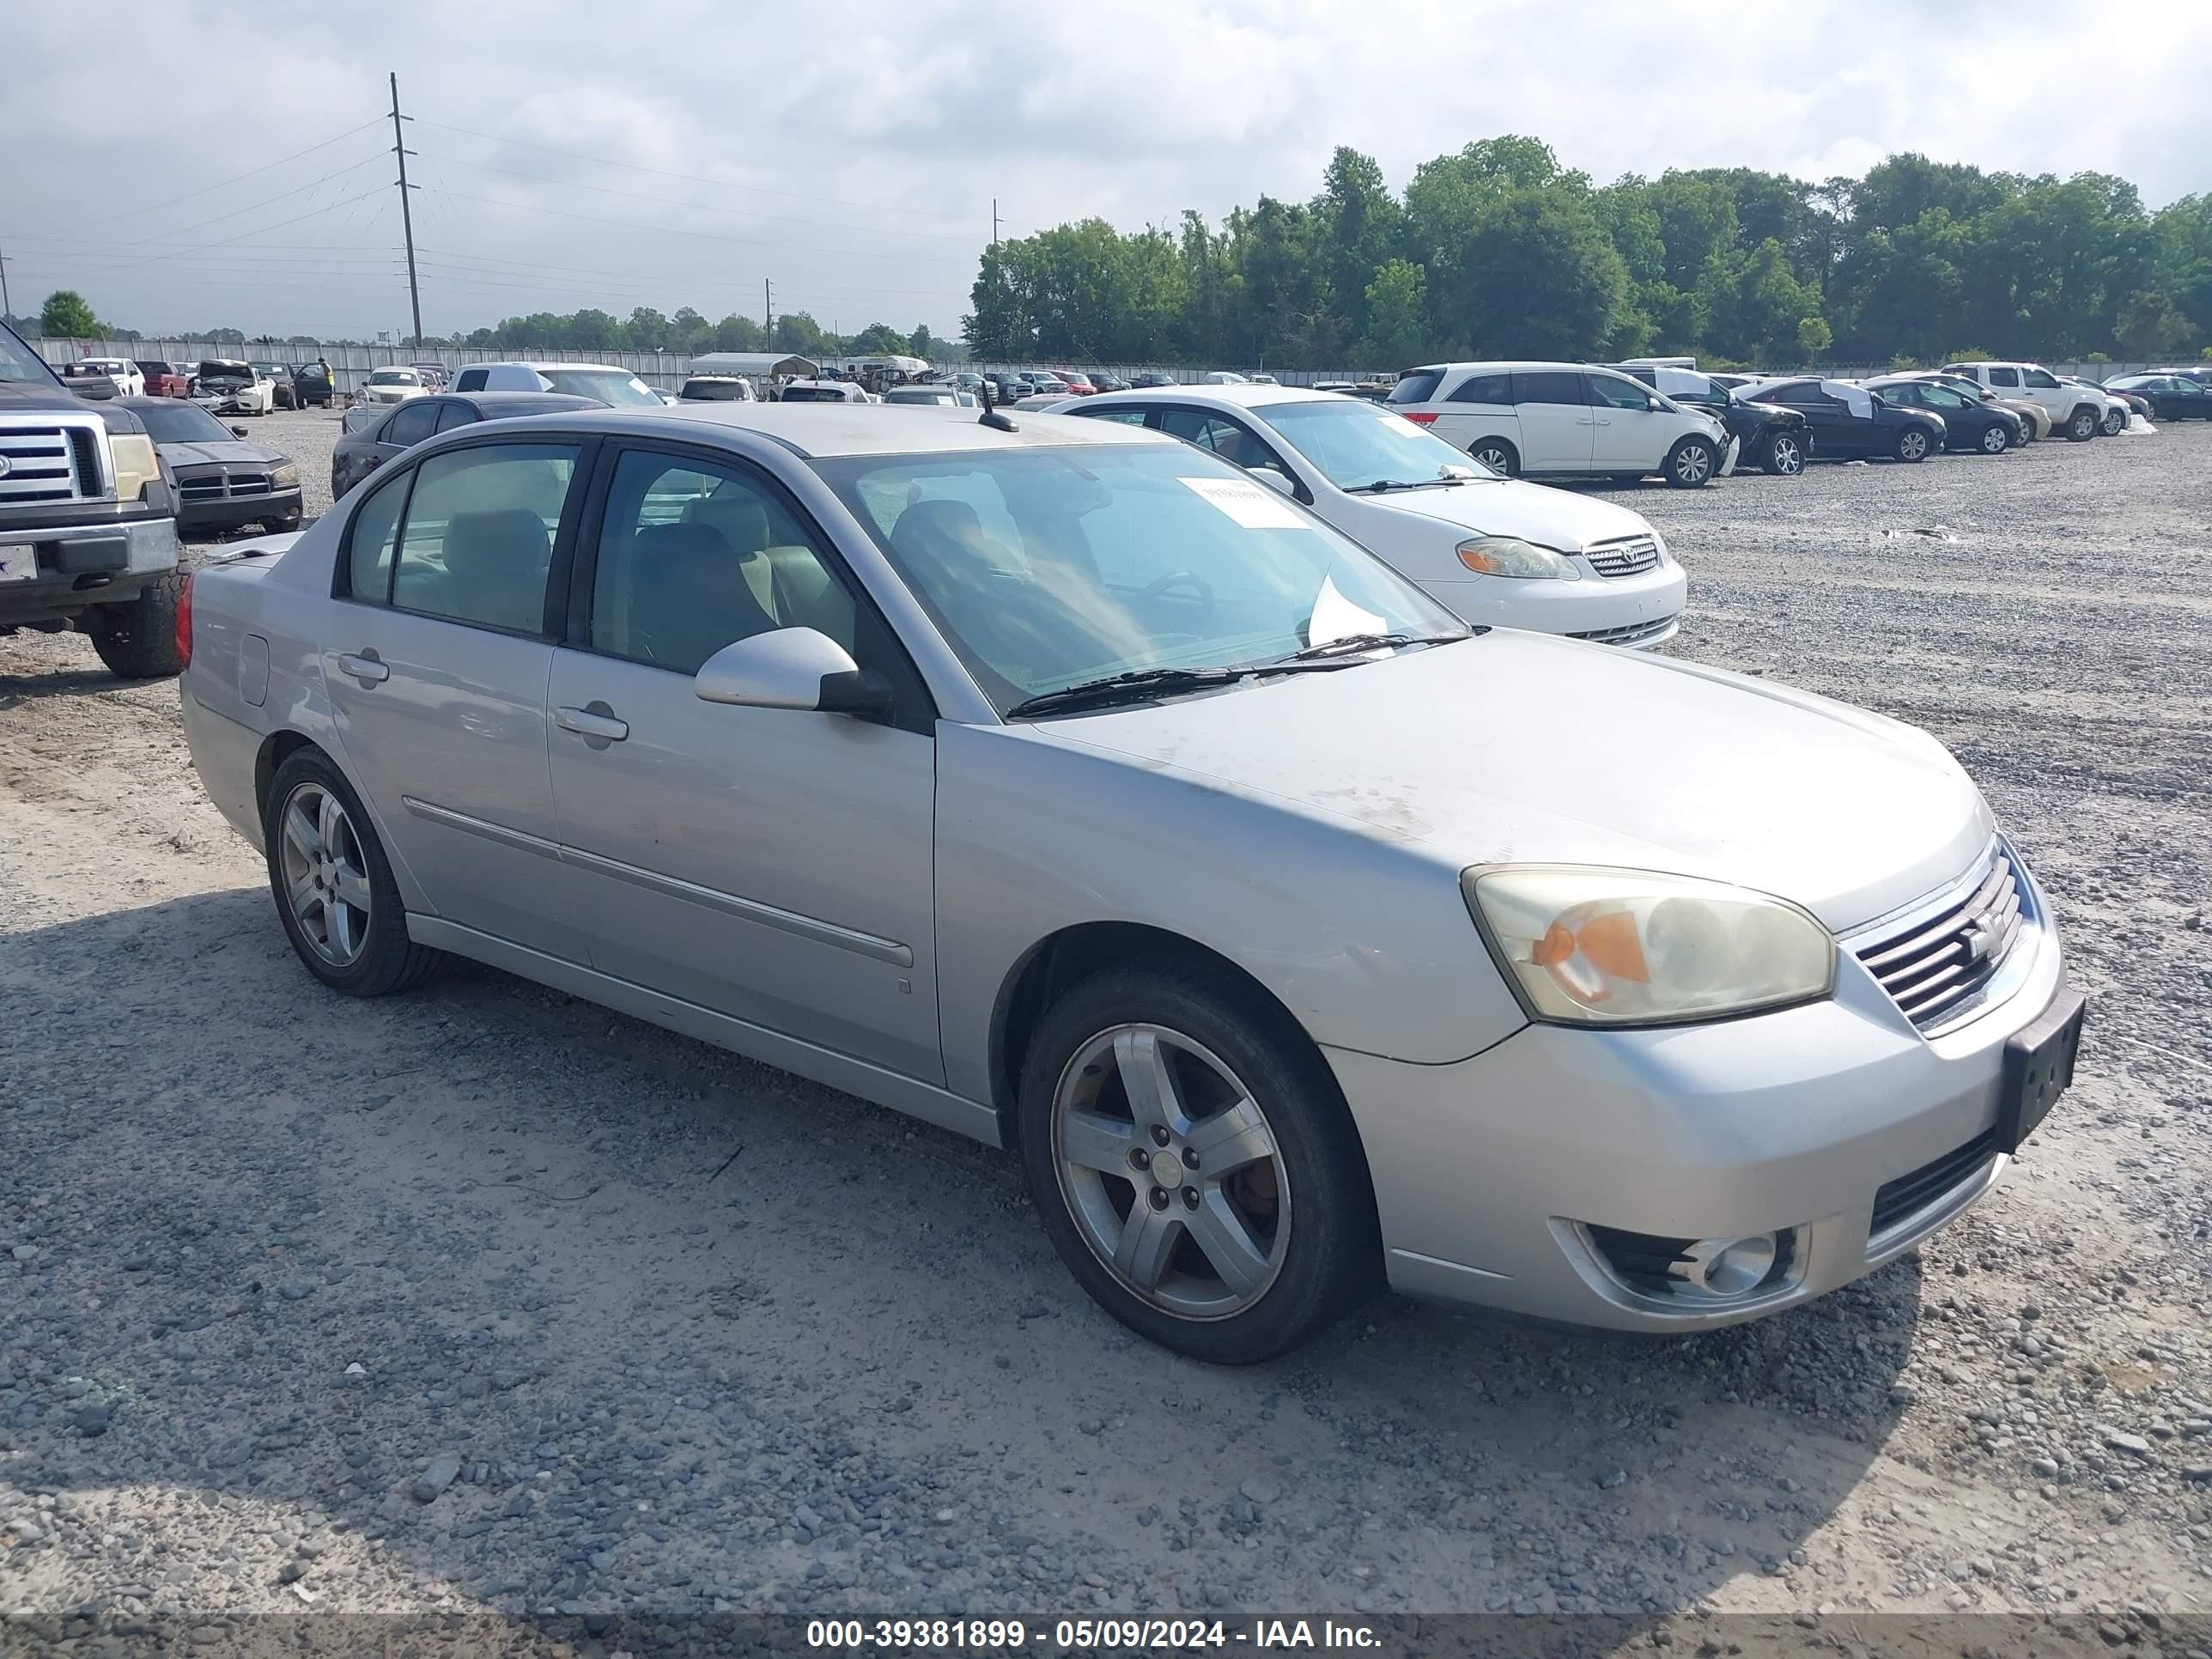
(185, 623)
(1421, 419)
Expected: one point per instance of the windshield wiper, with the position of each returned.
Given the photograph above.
(1381, 485)
(1133, 686)
(1352, 644)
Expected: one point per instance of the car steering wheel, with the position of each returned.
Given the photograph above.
(1189, 579)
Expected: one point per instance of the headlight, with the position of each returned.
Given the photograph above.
(1590, 946)
(1509, 555)
(285, 475)
(136, 463)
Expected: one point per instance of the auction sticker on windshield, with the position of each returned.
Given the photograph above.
(19, 562)
(1254, 506)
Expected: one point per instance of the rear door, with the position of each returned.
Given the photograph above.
(1835, 433)
(436, 663)
(1558, 426)
(771, 864)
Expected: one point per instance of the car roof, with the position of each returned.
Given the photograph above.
(1500, 368)
(518, 402)
(541, 366)
(824, 431)
(1245, 394)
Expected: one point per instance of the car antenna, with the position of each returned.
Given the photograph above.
(991, 417)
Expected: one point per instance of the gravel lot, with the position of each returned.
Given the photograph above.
(486, 1298)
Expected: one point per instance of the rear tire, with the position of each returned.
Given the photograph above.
(1498, 455)
(2082, 425)
(1785, 455)
(1302, 1206)
(1691, 465)
(137, 641)
(383, 959)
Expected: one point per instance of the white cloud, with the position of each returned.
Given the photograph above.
(858, 146)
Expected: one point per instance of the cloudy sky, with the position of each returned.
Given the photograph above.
(679, 152)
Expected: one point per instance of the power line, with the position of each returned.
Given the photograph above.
(696, 179)
(179, 232)
(703, 235)
(171, 201)
(672, 201)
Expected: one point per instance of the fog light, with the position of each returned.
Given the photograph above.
(1727, 1267)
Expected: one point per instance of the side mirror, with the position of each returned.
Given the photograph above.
(791, 668)
(1275, 481)
(238, 432)
(1653, 403)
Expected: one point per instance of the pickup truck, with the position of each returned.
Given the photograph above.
(164, 378)
(88, 521)
(2080, 414)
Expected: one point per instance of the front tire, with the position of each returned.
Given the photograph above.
(1912, 445)
(2114, 424)
(2082, 425)
(137, 641)
(1193, 1163)
(1995, 440)
(1785, 455)
(332, 884)
(1691, 464)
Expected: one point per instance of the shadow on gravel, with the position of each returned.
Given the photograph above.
(15, 689)
(490, 1289)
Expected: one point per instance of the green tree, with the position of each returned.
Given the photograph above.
(1537, 277)
(1757, 305)
(738, 333)
(878, 340)
(796, 331)
(1396, 304)
(922, 343)
(67, 316)
(2151, 325)
(1815, 337)
(1359, 222)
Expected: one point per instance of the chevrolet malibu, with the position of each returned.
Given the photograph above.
(1059, 783)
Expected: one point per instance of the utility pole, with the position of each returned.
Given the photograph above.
(6, 308)
(768, 315)
(406, 213)
(995, 223)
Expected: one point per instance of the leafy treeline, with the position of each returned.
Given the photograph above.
(691, 333)
(1499, 250)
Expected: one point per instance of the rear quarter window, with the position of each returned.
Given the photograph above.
(1416, 385)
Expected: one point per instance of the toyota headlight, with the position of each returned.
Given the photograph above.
(285, 476)
(136, 463)
(1592, 947)
(1509, 555)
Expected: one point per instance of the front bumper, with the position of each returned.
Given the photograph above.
(224, 513)
(1489, 1173)
(1640, 610)
(86, 563)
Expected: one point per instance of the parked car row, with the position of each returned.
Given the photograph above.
(1140, 787)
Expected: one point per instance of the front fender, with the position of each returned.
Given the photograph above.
(1363, 937)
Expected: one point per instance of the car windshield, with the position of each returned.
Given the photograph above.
(395, 377)
(179, 423)
(1358, 446)
(611, 386)
(1048, 567)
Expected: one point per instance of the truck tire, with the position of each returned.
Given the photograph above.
(2081, 424)
(138, 640)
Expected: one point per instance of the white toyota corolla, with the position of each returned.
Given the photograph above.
(1490, 550)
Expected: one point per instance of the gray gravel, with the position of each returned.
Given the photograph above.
(448, 1302)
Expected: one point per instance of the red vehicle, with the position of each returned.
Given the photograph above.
(1077, 382)
(164, 380)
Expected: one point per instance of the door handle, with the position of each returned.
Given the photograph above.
(597, 721)
(366, 668)
(1585, 420)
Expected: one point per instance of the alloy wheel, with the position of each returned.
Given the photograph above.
(1171, 1171)
(326, 877)
(1913, 446)
(1495, 458)
(1993, 439)
(1788, 456)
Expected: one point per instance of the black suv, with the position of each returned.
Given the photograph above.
(88, 521)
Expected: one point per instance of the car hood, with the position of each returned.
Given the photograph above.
(234, 453)
(1552, 518)
(1524, 747)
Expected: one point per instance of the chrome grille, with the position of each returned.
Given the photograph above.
(1628, 555)
(49, 460)
(1937, 962)
(1631, 634)
(220, 486)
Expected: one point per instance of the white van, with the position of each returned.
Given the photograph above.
(603, 383)
(1563, 419)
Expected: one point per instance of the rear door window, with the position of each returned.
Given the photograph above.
(2004, 377)
(451, 415)
(478, 539)
(410, 424)
(1547, 386)
(1495, 390)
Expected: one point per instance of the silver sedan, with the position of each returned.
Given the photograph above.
(1056, 782)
